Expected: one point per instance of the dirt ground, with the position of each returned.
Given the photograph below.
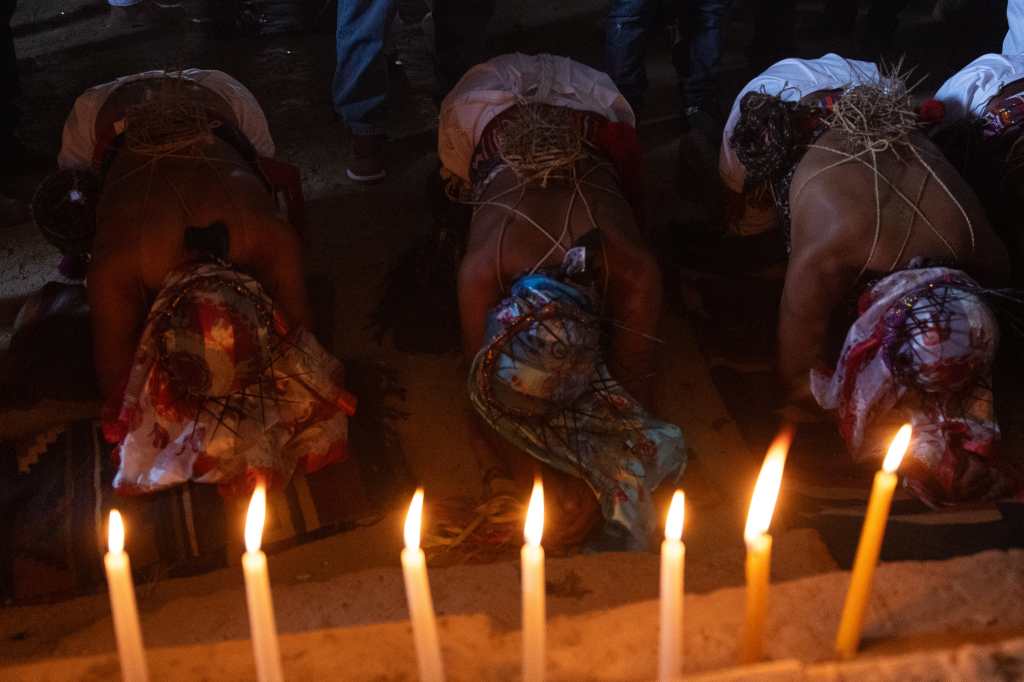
(355, 232)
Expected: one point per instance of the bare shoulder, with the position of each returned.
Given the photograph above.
(825, 219)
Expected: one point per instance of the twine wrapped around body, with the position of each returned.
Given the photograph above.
(538, 141)
(169, 122)
(877, 118)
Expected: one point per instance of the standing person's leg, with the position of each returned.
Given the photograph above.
(460, 39)
(883, 20)
(627, 30)
(841, 16)
(773, 34)
(12, 211)
(360, 87)
(9, 85)
(698, 50)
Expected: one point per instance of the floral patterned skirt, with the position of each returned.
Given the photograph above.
(222, 391)
(541, 383)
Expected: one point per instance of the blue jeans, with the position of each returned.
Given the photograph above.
(360, 85)
(696, 54)
(361, 77)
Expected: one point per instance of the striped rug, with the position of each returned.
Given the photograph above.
(55, 496)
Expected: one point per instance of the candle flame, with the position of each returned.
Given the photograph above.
(534, 528)
(115, 533)
(897, 449)
(766, 490)
(255, 518)
(676, 512)
(413, 521)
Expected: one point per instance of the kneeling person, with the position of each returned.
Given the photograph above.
(558, 295)
(876, 211)
(195, 285)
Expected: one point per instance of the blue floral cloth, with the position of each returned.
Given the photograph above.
(541, 382)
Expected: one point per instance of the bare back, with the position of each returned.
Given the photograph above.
(517, 231)
(924, 209)
(149, 198)
(521, 229)
(842, 237)
(147, 204)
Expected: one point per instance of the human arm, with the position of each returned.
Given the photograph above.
(275, 259)
(117, 311)
(478, 292)
(818, 279)
(634, 301)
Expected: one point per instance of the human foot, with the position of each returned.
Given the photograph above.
(573, 509)
(366, 163)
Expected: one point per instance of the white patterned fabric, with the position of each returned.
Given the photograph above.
(791, 80)
(490, 88)
(969, 90)
(78, 142)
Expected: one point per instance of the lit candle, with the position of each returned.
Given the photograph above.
(533, 588)
(673, 558)
(848, 637)
(122, 603)
(257, 592)
(759, 544)
(417, 592)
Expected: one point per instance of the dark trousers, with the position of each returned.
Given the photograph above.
(360, 84)
(9, 87)
(882, 21)
(695, 53)
(460, 38)
(773, 34)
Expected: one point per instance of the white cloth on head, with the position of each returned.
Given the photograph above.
(496, 85)
(792, 80)
(968, 91)
(1013, 43)
(78, 142)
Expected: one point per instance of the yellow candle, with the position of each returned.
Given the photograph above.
(122, 604)
(848, 637)
(673, 558)
(417, 593)
(257, 592)
(759, 545)
(533, 588)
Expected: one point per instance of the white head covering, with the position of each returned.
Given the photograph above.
(790, 79)
(496, 85)
(969, 90)
(79, 137)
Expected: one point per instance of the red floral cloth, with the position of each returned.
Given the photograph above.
(922, 351)
(222, 391)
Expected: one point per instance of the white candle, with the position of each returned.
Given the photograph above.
(759, 545)
(417, 593)
(533, 588)
(257, 592)
(122, 603)
(673, 558)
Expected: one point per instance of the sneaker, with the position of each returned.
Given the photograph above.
(366, 163)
